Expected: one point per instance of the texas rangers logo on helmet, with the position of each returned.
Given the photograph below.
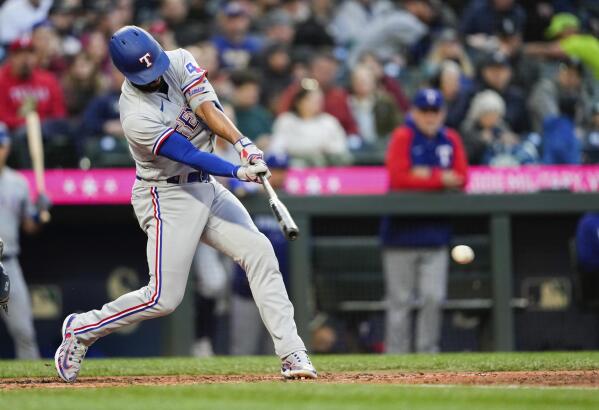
(146, 59)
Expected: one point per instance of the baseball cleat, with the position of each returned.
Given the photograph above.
(298, 366)
(70, 353)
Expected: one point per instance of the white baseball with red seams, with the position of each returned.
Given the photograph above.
(176, 217)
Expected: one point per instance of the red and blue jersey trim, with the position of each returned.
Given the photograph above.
(194, 82)
(157, 269)
(160, 140)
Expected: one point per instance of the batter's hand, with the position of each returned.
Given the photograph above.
(248, 151)
(252, 172)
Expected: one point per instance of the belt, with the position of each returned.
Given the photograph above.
(198, 176)
(6, 258)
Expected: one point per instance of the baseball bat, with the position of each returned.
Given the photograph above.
(36, 152)
(280, 211)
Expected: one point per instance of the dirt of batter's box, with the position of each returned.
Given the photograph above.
(584, 378)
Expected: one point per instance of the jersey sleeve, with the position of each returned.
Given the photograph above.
(145, 135)
(194, 81)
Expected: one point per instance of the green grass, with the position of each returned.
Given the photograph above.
(327, 363)
(292, 395)
(283, 396)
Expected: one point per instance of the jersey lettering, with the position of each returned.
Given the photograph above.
(188, 123)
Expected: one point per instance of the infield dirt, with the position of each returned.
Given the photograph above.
(588, 378)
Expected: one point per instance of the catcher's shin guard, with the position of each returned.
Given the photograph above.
(4, 282)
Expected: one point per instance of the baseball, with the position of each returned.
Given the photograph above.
(462, 254)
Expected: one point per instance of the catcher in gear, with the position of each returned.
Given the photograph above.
(4, 282)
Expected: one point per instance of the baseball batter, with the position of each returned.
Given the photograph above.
(171, 115)
(16, 211)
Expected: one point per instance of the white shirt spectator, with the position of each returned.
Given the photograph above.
(312, 140)
(17, 17)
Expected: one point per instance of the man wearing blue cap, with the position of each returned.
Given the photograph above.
(171, 117)
(16, 212)
(423, 155)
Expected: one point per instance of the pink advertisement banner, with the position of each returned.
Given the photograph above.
(113, 186)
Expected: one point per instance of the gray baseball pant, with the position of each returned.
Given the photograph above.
(414, 277)
(175, 218)
(19, 319)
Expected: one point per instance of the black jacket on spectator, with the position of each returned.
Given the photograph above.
(101, 109)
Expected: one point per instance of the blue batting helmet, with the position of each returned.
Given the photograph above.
(137, 55)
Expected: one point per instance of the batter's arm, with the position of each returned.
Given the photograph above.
(221, 125)
(218, 122)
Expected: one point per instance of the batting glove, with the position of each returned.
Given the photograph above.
(252, 173)
(248, 151)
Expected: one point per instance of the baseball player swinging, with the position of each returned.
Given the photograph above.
(171, 115)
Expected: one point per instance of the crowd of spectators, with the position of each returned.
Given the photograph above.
(323, 81)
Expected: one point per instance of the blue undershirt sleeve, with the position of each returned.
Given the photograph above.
(178, 148)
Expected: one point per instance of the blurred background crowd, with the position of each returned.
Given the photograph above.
(322, 81)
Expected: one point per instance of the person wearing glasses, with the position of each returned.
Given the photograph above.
(423, 155)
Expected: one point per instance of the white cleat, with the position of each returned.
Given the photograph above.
(70, 353)
(298, 366)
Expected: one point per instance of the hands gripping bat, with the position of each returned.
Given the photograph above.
(36, 152)
(288, 225)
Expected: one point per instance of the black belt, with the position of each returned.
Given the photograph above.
(6, 258)
(198, 176)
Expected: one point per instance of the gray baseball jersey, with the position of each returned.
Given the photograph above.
(176, 217)
(150, 118)
(15, 204)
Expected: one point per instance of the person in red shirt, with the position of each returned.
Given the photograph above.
(324, 69)
(423, 155)
(21, 81)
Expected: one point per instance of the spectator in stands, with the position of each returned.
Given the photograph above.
(436, 17)
(423, 155)
(353, 16)
(569, 42)
(309, 136)
(560, 142)
(81, 84)
(46, 44)
(487, 137)
(276, 75)
(17, 18)
(313, 31)
(235, 46)
(385, 82)
(185, 29)
(496, 74)
(375, 111)
(526, 70)
(481, 18)
(449, 47)
(164, 35)
(544, 99)
(96, 48)
(253, 120)
(101, 116)
(324, 68)
(456, 92)
(278, 28)
(21, 81)
(591, 138)
(63, 18)
(390, 36)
